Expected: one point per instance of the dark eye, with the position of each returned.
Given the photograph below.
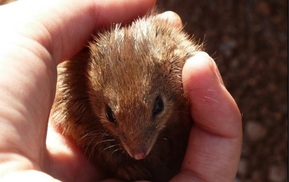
(109, 114)
(158, 106)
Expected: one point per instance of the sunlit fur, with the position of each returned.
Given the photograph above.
(126, 68)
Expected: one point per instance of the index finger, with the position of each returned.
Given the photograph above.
(64, 26)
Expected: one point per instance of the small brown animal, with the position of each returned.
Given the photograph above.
(122, 100)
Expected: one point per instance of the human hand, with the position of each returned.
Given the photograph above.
(215, 141)
(35, 39)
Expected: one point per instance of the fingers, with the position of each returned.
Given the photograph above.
(64, 26)
(211, 102)
(172, 18)
(30, 175)
(32, 40)
(215, 141)
(120, 11)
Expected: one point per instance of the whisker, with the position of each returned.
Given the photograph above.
(94, 139)
(109, 147)
(117, 150)
(107, 140)
(93, 134)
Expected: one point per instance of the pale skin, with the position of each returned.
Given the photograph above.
(36, 36)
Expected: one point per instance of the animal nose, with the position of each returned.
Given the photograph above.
(139, 154)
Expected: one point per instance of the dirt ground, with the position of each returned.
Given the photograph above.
(248, 40)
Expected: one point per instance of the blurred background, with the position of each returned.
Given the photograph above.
(248, 41)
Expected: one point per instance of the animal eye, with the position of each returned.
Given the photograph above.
(109, 114)
(158, 106)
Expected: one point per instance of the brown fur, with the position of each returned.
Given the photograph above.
(126, 69)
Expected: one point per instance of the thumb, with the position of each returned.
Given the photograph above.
(214, 146)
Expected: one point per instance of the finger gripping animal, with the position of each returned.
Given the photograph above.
(122, 102)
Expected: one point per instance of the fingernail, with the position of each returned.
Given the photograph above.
(212, 64)
(172, 18)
